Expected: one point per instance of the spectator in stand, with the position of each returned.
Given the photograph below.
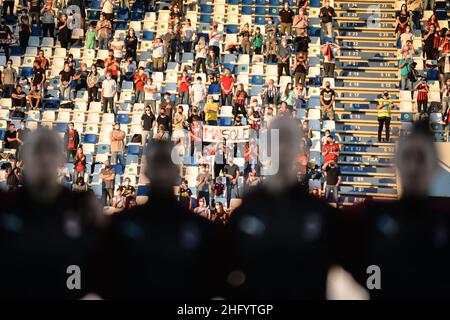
(203, 209)
(107, 9)
(25, 28)
(333, 180)
(403, 20)
(285, 18)
(331, 150)
(140, 78)
(422, 89)
(404, 66)
(151, 91)
(8, 4)
(34, 7)
(71, 141)
(148, 122)
(407, 36)
(212, 63)
(187, 35)
(19, 98)
(219, 216)
(80, 185)
(118, 201)
(245, 35)
(129, 192)
(327, 97)
(226, 85)
(300, 23)
(327, 14)
(184, 82)
(80, 78)
(214, 86)
(445, 42)
(408, 49)
(384, 107)
(48, 20)
(117, 137)
(211, 111)
(185, 195)
(300, 69)
(92, 82)
(432, 22)
(232, 173)
(415, 8)
(103, 29)
(444, 68)
(162, 134)
(131, 44)
(42, 60)
(300, 96)
(240, 100)
(14, 175)
(201, 51)
(39, 77)
(445, 98)
(11, 141)
(65, 82)
(9, 79)
(283, 55)
(271, 95)
(257, 41)
(109, 90)
(64, 33)
(198, 93)
(108, 175)
(215, 38)
(79, 163)
(111, 65)
(164, 119)
(179, 123)
(91, 34)
(34, 98)
(158, 54)
(288, 96)
(431, 41)
(172, 38)
(117, 46)
(203, 183)
(329, 51)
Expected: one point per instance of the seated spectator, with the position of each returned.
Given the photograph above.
(271, 94)
(34, 98)
(19, 97)
(185, 195)
(327, 97)
(128, 68)
(129, 192)
(219, 214)
(11, 141)
(162, 134)
(202, 209)
(79, 185)
(118, 201)
(331, 150)
(64, 176)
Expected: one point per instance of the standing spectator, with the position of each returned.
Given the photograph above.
(201, 51)
(226, 85)
(283, 54)
(9, 79)
(404, 66)
(203, 183)
(80, 78)
(107, 9)
(103, 28)
(178, 125)
(64, 33)
(231, 172)
(158, 54)
(288, 96)
(245, 39)
(65, 82)
(140, 78)
(271, 94)
(184, 82)
(326, 14)
(11, 141)
(402, 19)
(162, 134)
(444, 68)
(148, 122)
(117, 45)
(79, 162)
(415, 7)
(19, 98)
(300, 23)
(118, 201)
(42, 60)
(109, 90)
(214, 39)
(48, 20)
(187, 34)
(300, 69)
(331, 150)
(22, 134)
(34, 98)
(212, 63)
(327, 97)
(8, 4)
(329, 51)
(240, 100)
(407, 36)
(211, 111)
(90, 36)
(333, 180)
(34, 7)
(107, 174)
(285, 17)
(257, 41)
(198, 93)
(300, 96)
(117, 137)
(6, 38)
(25, 28)
(271, 31)
(131, 43)
(384, 107)
(445, 97)
(422, 95)
(92, 81)
(203, 209)
(432, 22)
(184, 195)
(71, 141)
(111, 65)
(151, 93)
(431, 42)
(173, 40)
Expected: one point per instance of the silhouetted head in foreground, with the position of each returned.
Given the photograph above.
(42, 154)
(417, 161)
(160, 169)
(284, 136)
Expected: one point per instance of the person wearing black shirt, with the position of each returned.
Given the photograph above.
(64, 33)
(14, 176)
(231, 172)
(22, 134)
(286, 17)
(147, 125)
(11, 141)
(19, 97)
(184, 195)
(81, 78)
(131, 42)
(327, 97)
(34, 8)
(326, 14)
(333, 174)
(38, 75)
(163, 119)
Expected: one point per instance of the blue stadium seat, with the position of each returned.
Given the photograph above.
(233, 1)
(123, 118)
(123, 14)
(247, 2)
(95, 5)
(258, 80)
(90, 138)
(407, 117)
(10, 19)
(36, 31)
(229, 66)
(432, 74)
(260, 20)
(246, 10)
(134, 149)
(260, 2)
(121, 25)
(260, 11)
(137, 15)
(205, 18)
(204, 35)
(441, 14)
(61, 127)
(26, 72)
(132, 158)
(2, 134)
(232, 29)
(118, 168)
(103, 148)
(148, 35)
(314, 3)
(273, 11)
(16, 51)
(94, 15)
(226, 121)
(143, 190)
(206, 8)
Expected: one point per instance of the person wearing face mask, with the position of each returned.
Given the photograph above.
(117, 45)
(81, 78)
(327, 97)
(283, 55)
(198, 93)
(19, 98)
(211, 111)
(245, 38)
(131, 42)
(226, 86)
(25, 28)
(178, 125)
(187, 33)
(385, 106)
(422, 89)
(257, 41)
(285, 17)
(271, 31)
(232, 173)
(139, 79)
(108, 175)
(64, 33)
(404, 64)
(103, 29)
(288, 96)
(184, 82)
(117, 137)
(6, 37)
(402, 20)
(300, 23)
(329, 52)
(446, 99)
(158, 54)
(326, 15)
(431, 41)
(22, 135)
(444, 66)
(407, 36)
(200, 56)
(71, 141)
(9, 79)
(151, 94)
(108, 92)
(333, 179)
(92, 82)
(65, 82)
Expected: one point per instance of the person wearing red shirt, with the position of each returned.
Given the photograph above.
(184, 81)
(140, 78)
(331, 150)
(111, 65)
(422, 95)
(71, 141)
(226, 86)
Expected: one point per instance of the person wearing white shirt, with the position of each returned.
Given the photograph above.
(151, 94)
(158, 54)
(109, 90)
(198, 93)
(117, 45)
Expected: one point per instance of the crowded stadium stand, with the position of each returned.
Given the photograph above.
(357, 49)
